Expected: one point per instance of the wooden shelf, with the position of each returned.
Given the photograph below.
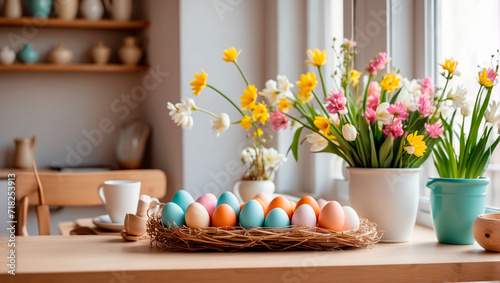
(73, 24)
(109, 68)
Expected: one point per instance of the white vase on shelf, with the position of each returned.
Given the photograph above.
(120, 10)
(7, 56)
(130, 53)
(100, 53)
(92, 9)
(66, 9)
(12, 9)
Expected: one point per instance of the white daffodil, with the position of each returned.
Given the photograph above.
(272, 159)
(409, 101)
(410, 87)
(181, 112)
(466, 109)
(221, 124)
(490, 113)
(271, 92)
(382, 115)
(349, 132)
(285, 87)
(458, 97)
(248, 155)
(318, 143)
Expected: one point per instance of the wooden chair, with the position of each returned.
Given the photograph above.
(78, 189)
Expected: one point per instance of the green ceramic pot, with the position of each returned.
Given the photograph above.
(455, 204)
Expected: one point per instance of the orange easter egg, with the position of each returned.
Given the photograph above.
(332, 216)
(224, 216)
(282, 203)
(310, 201)
(264, 206)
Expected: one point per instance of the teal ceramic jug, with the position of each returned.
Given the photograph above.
(28, 55)
(455, 204)
(40, 8)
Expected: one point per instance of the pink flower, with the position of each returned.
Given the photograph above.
(336, 103)
(377, 64)
(434, 130)
(398, 109)
(348, 42)
(395, 128)
(426, 108)
(426, 85)
(491, 75)
(278, 121)
(373, 96)
(371, 116)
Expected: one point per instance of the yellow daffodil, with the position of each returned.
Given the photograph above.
(259, 112)
(483, 79)
(249, 97)
(246, 122)
(415, 145)
(318, 58)
(451, 66)
(284, 105)
(231, 54)
(322, 123)
(258, 133)
(355, 77)
(390, 82)
(307, 83)
(199, 83)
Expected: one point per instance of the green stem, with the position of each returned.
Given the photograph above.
(365, 95)
(227, 98)
(207, 112)
(322, 81)
(241, 72)
(321, 104)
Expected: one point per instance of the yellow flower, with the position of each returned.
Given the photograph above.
(307, 83)
(258, 133)
(259, 112)
(415, 145)
(249, 97)
(355, 77)
(450, 66)
(483, 79)
(284, 105)
(322, 123)
(246, 122)
(231, 54)
(318, 58)
(199, 83)
(390, 82)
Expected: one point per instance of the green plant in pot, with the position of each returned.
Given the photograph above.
(461, 157)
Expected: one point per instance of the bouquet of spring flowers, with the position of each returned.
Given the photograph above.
(388, 123)
(261, 163)
(472, 157)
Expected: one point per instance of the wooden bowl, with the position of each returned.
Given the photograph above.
(486, 231)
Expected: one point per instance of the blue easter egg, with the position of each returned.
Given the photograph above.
(231, 199)
(252, 215)
(183, 199)
(277, 218)
(172, 215)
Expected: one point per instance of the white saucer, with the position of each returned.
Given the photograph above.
(104, 222)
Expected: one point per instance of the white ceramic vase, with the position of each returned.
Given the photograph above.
(130, 53)
(12, 9)
(66, 9)
(7, 56)
(60, 55)
(100, 53)
(120, 10)
(388, 197)
(246, 190)
(92, 9)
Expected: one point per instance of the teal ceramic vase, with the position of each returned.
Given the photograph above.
(28, 55)
(455, 204)
(40, 8)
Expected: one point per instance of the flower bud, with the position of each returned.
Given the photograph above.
(465, 111)
(349, 132)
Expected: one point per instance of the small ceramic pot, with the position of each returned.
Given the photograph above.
(100, 53)
(40, 8)
(66, 9)
(7, 56)
(28, 55)
(60, 55)
(486, 231)
(120, 10)
(12, 9)
(92, 9)
(130, 53)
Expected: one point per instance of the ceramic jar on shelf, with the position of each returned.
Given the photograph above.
(7, 56)
(100, 53)
(66, 9)
(40, 8)
(28, 55)
(130, 53)
(92, 9)
(60, 55)
(120, 10)
(12, 9)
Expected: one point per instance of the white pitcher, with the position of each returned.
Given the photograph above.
(120, 10)
(91, 9)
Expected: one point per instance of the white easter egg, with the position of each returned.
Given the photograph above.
(351, 218)
(197, 216)
(304, 215)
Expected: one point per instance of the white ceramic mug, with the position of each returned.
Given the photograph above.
(120, 197)
(246, 190)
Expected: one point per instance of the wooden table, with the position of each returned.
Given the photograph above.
(110, 259)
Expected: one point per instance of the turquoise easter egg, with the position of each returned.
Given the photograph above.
(172, 215)
(277, 218)
(231, 199)
(183, 199)
(252, 215)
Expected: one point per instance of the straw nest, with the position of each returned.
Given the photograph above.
(275, 239)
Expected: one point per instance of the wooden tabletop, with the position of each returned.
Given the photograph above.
(110, 259)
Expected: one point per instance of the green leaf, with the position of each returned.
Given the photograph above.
(294, 147)
(395, 96)
(374, 153)
(386, 151)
